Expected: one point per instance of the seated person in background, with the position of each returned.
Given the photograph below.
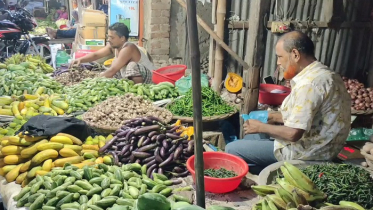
(62, 13)
(104, 7)
(129, 61)
(316, 115)
(69, 33)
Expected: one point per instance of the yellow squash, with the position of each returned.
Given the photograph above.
(47, 165)
(43, 155)
(11, 150)
(49, 145)
(5, 169)
(13, 174)
(32, 149)
(15, 140)
(73, 138)
(34, 139)
(13, 159)
(32, 172)
(73, 160)
(25, 167)
(76, 148)
(61, 139)
(67, 152)
(21, 177)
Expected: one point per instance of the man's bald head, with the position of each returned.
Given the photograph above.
(298, 41)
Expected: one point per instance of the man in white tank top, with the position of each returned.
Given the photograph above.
(129, 62)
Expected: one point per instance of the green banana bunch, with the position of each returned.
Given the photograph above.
(263, 190)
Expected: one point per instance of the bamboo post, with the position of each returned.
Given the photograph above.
(255, 50)
(212, 41)
(197, 100)
(219, 54)
(217, 39)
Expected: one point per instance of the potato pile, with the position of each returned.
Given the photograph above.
(114, 111)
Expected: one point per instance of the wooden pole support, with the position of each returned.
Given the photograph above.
(219, 53)
(217, 39)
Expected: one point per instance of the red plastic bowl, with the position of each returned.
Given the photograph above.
(169, 73)
(218, 160)
(266, 97)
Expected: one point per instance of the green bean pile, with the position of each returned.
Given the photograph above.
(219, 173)
(343, 182)
(212, 104)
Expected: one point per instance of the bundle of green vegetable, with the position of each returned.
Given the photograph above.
(90, 92)
(343, 182)
(212, 104)
(219, 173)
(18, 81)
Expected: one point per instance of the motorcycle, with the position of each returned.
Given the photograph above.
(15, 36)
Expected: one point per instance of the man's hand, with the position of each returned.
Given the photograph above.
(274, 117)
(252, 126)
(74, 62)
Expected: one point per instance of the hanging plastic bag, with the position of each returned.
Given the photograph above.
(262, 116)
(185, 83)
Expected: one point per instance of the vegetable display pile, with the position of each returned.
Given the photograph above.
(343, 181)
(41, 28)
(28, 63)
(362, 98)
(27, 105)
(22, 158)
(219, 173)
(297, 191)
(18, 82)
(11, 128)
(74, 76)
(212, 104)
(147, 141)
(114, 111)
(90, 92)
(102, 187)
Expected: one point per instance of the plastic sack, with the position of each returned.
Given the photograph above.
(185, 83)
(262, 116)
(43, 125)
(360, 134)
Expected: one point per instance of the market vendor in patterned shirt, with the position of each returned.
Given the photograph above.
(315, 117)
(130, 62)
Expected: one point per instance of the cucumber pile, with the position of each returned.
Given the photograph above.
(90, 92)
(98, 187)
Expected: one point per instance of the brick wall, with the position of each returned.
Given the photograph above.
(157, 30)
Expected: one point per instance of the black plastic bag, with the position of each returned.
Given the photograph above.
(43, 125)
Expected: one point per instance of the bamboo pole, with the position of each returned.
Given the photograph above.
(219, 53)
(197, 100)
(212, 41)
(217, 39)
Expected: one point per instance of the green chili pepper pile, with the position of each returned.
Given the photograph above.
(212, 104)
(219, 173)
(343, 182)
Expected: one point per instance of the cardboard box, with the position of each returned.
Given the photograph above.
(93, 18)
(91, 32)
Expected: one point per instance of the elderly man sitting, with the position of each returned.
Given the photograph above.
(315, 116)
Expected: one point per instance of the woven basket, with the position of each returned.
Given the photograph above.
(205, 119)
(361, 112)
(368, 158)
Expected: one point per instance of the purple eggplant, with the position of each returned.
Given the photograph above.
(125, 149)
(115, 156)
(132, 159)
(152, 133)
(131, 148)
(176, 181)
(165, 144)
(108, 144)
(152, 162)
(138, 161)
(147, 160)
(122, 133)
(154, 138)
(163, 152)
(167, 161)
(154, 171)
(172, 149)
(182, 174)
(152, 118)
(172, 136)
(157, 156)
(122, 144)
(178, 169)
(146, 129)
(129, 134)
(141, 140)
(160, 171)
(141, 154)
(178, 152)
(125, 160)
(150, 169)
(147, 147)
(190, 146)
(146, 142)
(147, 121)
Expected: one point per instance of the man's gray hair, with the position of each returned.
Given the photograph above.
(299, 41)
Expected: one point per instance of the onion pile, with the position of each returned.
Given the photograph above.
(361, 97)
